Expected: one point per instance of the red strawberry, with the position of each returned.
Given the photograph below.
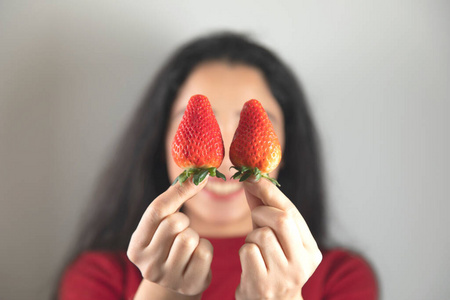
(255, 149)
(198, 146)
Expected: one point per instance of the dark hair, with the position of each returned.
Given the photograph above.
(138, 173)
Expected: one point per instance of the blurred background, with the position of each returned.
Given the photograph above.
(377, 75)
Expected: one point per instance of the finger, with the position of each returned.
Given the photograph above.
(166, 233)
(252, 200)
(269, 246)
(181, 251)
(199, 266)
(284, 226)
(165, 204)
(288, 235)
(252, 262)
(270, 195)
(175, 196)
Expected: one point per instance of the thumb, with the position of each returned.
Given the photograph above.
(174, 197)
(252, 200)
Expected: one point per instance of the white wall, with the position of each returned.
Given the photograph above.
(377, 75)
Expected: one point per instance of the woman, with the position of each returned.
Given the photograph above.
(218, 240)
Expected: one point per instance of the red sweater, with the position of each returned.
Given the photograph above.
(106, 275)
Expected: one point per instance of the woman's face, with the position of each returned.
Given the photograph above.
(221, 209)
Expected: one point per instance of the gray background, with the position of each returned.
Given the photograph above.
(377, 75)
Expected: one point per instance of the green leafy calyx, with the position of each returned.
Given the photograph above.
(243, 173)
(198, 175)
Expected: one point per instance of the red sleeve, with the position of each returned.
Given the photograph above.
(93, 275)
(342, 276)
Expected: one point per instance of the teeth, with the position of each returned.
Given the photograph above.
(222, 188)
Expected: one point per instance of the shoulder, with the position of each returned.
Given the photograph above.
(96, 275)
(96, 264)
(106, 258)
(344, 261)
(344, 274)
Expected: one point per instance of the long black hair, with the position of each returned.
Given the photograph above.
(138, 173)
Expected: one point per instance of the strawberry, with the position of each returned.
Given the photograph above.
(198, 146)
(255, 149)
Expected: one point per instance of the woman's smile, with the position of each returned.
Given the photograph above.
(221, 190)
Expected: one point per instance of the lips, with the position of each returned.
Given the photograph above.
(222, 189)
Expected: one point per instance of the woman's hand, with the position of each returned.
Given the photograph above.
(280, 254)
(166, 250)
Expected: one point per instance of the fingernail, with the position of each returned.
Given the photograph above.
(253, 179)
(203, 181)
